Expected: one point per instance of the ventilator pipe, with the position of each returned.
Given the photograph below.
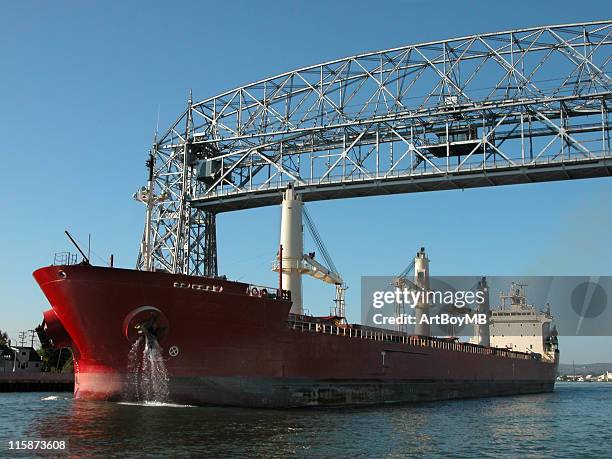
(292, 242)
(421, 280)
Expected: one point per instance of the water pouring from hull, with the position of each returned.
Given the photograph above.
(147, 376)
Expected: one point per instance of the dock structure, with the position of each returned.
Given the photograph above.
(36, 382)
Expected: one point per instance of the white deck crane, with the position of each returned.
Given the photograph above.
(420, 265)
(328, 273)
(401, 282)
(295, 263)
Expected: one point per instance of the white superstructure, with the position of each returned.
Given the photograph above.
(518, 326)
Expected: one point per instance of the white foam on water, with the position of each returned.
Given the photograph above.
(171, 405)
(51, 397)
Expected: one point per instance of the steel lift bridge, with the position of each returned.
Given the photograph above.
(520, 106)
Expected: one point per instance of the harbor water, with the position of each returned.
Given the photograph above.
(573, 421)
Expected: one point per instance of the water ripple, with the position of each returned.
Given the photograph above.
(572, 421)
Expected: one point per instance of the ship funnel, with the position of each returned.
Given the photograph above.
(421, 280)
(482, 331)
(292, 242)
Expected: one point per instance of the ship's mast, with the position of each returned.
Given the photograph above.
(421, 280)
(516, 298)
(146, 196)
(146, 250)
(292, 241)
(292, 262)
(483, 333)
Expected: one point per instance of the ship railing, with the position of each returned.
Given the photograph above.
(263, 291)
(362, 332)
(64, 259)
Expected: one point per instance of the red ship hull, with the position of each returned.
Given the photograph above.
(233, 348)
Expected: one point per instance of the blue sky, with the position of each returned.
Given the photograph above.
(80, 88)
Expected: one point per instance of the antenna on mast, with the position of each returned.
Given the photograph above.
(156, 125)
(146, 195)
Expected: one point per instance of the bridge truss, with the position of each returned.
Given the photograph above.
(519, 106)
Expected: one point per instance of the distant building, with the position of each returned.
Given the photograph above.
(6, 359)
(21, 358)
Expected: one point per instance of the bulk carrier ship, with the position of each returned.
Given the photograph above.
(235, 344)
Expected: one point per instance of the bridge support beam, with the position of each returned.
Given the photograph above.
(210, 245)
